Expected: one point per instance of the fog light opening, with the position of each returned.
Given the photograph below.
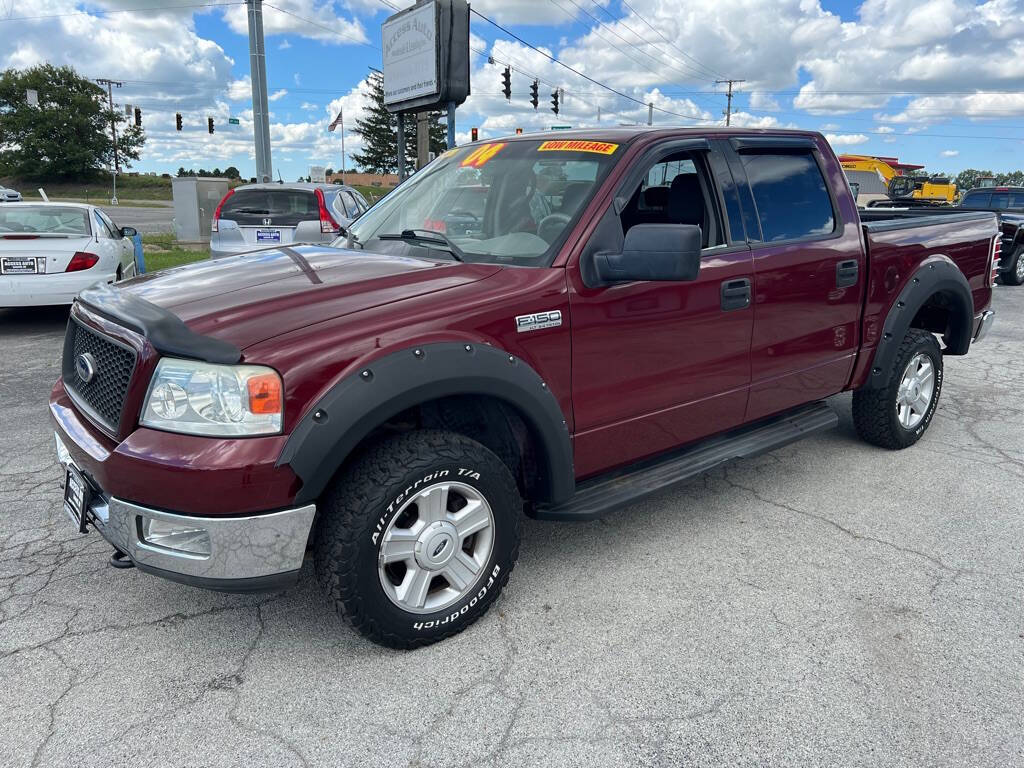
(176, 537)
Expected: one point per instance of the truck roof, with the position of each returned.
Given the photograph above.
(626, 134)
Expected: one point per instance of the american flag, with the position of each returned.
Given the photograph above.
(334, 122)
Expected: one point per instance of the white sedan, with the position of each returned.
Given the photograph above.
(51, 251)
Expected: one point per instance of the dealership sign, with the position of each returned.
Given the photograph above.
(426, 56)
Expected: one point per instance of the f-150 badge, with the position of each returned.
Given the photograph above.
(538, 320)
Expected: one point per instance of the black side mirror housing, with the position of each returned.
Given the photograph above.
(665, 252)
(129, 232)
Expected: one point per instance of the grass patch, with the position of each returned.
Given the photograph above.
(161, 252)
(175, 257)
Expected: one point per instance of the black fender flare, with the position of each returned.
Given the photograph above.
(383, 388)
(937, 274)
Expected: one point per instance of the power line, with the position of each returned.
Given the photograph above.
(324, 27)
(576, 71)
(713, 72)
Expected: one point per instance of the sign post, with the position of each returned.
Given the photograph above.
(426, 64)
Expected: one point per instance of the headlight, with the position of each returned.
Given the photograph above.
(218, 400)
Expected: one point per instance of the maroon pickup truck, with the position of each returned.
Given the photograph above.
(609, 312)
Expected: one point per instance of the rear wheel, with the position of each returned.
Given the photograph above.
(896, 415)
(1014, 275)
(419, 536)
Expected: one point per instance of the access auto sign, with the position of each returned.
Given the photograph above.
(410, 54)
(426, 56)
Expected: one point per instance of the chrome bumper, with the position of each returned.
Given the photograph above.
(234, 553)
(985, 325)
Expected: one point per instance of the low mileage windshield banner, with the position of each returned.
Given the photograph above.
(597, 147)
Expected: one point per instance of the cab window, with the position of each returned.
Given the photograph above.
(676, 190)
(790, 195)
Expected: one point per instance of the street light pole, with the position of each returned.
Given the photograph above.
(341, 117)
(258, 75)
(113, 129)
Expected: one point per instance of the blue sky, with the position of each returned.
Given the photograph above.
(936, 82)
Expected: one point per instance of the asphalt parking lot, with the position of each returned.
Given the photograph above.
(827, 604)
(146, 219)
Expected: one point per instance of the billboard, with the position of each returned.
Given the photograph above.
(426, 56)
(410, 54)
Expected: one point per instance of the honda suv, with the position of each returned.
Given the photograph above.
(261, 215)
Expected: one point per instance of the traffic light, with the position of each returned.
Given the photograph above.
(473, 134)
(177, 120)
(506, 79)
(534, 97)
(554, 102)
(209, 124)
(138, 117)
(519, 131)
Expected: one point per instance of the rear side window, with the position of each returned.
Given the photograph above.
(976, 200)
(1017, 199)
(790, 195)
(1000, 200)
(271, 207)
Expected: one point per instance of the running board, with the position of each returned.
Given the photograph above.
(604, 494)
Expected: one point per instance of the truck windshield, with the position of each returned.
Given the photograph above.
(508, 202)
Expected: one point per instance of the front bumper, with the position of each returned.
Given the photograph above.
(245, 553)
(235, 554)
(983, 324)
(47, 289)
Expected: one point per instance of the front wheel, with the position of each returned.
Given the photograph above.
(896, 415)
(419, 535)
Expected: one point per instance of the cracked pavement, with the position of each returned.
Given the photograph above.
(826, 604)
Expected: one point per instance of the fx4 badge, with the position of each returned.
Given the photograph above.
(538, 320)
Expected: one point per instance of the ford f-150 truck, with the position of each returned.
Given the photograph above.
(620, 310)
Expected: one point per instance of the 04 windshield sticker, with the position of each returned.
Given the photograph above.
(597, 147)
(479, 157)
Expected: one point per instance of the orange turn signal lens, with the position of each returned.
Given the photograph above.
(265, 393)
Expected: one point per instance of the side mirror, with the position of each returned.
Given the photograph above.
(129, 232)
(653, 252)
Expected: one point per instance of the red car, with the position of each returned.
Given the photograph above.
(632, 307)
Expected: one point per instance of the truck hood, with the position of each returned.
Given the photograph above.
(254, 296)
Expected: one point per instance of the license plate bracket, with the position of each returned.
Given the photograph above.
(77, 495)
(15, 265)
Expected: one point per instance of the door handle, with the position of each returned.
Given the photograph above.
(846, 273)
(735, 294)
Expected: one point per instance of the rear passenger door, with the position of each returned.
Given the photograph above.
(809, 272)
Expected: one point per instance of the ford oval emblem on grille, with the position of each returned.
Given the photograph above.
(85, 367)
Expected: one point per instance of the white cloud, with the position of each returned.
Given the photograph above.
(830, 127)
(240, 90)
(284, 45)
(278, 94)
(764, 102)
(300, 18)
(846, 139)
(950, 152)
(884, 129)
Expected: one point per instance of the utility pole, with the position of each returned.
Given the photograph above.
(422, 139)
(113, 129)
(650, 113)
(258, 74)
(728, 109)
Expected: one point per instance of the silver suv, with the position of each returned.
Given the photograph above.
(264, 215)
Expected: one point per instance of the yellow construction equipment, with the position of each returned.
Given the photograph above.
(885, 178)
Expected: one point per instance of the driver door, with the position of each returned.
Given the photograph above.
(656, 365)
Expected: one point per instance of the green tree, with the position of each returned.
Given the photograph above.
(379, 131)
(232, 173)
(68, 134)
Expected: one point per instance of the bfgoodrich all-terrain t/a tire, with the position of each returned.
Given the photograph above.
(418, 536)
(896, 415)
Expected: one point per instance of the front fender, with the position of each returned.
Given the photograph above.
(359, 403)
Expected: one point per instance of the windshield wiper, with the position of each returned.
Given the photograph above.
(427, 236)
